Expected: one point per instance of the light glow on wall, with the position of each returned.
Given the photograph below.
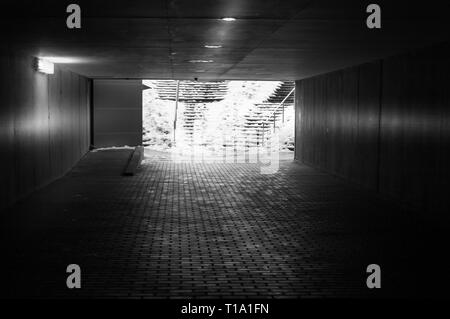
(60, 60)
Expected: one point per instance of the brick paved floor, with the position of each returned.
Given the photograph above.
(208, 230)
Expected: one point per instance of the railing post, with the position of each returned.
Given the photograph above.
(176, 113)
(263, 129)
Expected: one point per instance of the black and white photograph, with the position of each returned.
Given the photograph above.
(221, 156)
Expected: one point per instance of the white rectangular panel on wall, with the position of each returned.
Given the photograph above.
(117, 113)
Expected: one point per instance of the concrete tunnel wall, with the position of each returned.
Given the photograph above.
(44, 124)
(384, 125)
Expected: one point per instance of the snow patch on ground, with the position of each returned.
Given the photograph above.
(113, 148)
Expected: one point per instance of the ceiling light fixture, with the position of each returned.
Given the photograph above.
(201, 61)
(229, 19)
(211, 46)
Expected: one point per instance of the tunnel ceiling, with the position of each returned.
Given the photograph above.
(270, 40)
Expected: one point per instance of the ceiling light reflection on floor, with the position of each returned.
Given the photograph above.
(201, 61)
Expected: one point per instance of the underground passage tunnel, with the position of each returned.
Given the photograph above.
(116, 184)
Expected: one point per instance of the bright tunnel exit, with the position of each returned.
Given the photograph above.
(213, 117)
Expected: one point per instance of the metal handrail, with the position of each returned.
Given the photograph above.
(274, 112)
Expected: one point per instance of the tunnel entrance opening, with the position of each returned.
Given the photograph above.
(217, 116)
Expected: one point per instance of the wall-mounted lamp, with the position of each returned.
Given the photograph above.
(44, 66)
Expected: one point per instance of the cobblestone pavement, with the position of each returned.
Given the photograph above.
(208, 230)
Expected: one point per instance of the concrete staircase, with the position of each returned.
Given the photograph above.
(191, 91)
(268, 116)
